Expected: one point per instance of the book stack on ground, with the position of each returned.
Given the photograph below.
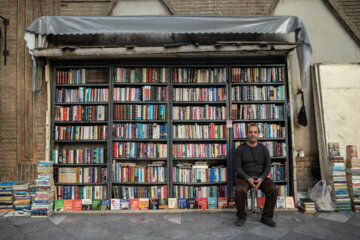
(337, 180)
(307, 205)
(6, 196)
(43, 201)
(22, 196)
(353, 176)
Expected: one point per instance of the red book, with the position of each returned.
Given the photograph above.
(202, 201)
(68, 205)
(134, 204)
(222, 202)
(260, 202)
(77, 205)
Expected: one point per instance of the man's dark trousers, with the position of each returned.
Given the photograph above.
(267, 186)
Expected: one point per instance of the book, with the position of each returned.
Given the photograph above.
(77, 205)
(351, 151)
(86, 204)
(182, 203)
(261, 202)
(154, 204)
(192, 203)
(172, 203)
(68, 205)
(212, 203)
(231, 203)
(163, 203)
(334, 149)
(105, 204)
(59, 205)
(115, 204)
(134, 204)
(202, 201)
(280, 203)
(289, 202)
(222, 202)
(124, 204)
(143, 203)
(96, 204)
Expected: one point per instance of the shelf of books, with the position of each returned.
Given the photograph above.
(140, 133)
(258, 95)
(80, 132)
(199, 135)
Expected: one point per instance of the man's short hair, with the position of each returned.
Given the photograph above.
(252, 125)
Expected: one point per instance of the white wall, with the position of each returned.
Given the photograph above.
(330, 44)
(139, 7)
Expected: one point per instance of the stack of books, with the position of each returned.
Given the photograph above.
(6, 196)
(22, 196)
(337, 179)
(307, 205)
(353, 177)
(43, 201)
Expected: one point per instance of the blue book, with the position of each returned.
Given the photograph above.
(124, 204)
(212, 203)
(182, 203)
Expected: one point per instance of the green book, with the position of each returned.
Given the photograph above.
(96, 204)
(59, 205)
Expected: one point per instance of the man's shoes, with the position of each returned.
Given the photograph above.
(268, 222)
(239, 222)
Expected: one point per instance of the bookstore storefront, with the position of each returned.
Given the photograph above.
(146, 111)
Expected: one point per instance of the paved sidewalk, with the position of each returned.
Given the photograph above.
(205, 225)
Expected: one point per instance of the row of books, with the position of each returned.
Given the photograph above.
(139, 131)
(257, 74)
(6, 196)
(139, 150)
(199, 174)
(98, 132)
(129, 192)
(141, 75)
(81, 192)
(199, 94)
(278, 172)
(266, 130)
(79, 156)
(199, 131)
(181, 191)
(206, 112)
(255, 93)
(22, 197)
(257, 111)
(139, 112)
(82, 76)
(276, 149)
(82, 95)
(132, 172)
(82, 175)
(200, 150)
(353, 176)
(199, 75)
(145, 93)
(80, 113)
(282, 191)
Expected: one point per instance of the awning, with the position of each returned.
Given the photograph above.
(65, 25)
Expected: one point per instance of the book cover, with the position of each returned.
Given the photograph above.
(334, 149)
(192, 203)
(86, 204)
(68, 204)
(144, 203)
(280, 203)
(222, 202)
(105, 204)
(351, 151)
(59, 205)
(77, 205)
(172, 203)
(115, 204)
(261, 202)
(231, 203)
(163, 203)
(212, 203)
(134, 204)
(96, 204)
(289, 202)
(202, 201)
(154, 204)
(124, 204)
(182, 203)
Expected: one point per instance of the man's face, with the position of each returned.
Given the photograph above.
(252, 133)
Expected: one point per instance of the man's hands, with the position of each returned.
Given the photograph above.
(255, 183)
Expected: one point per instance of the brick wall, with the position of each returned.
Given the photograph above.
(304, 178)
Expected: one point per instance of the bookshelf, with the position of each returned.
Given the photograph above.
(258, 94)
(163, 130)
(80, 110)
